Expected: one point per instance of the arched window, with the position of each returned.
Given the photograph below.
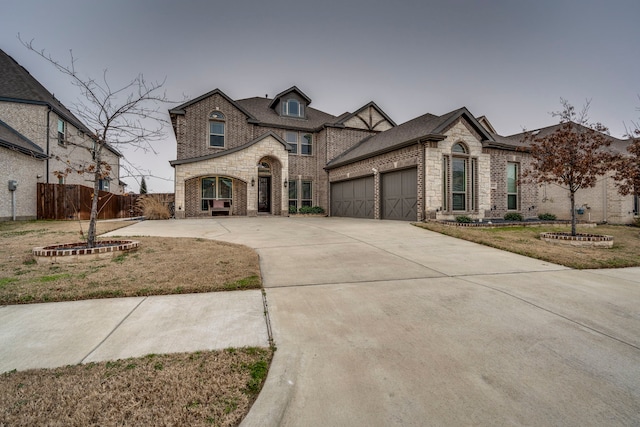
(216, 129)
(459, 180)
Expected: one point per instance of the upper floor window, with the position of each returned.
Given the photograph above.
(61, 131)
(301, 142)
(293, 108)
(216, 129)
(103, 185)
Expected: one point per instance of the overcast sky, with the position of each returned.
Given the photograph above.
(509, 60)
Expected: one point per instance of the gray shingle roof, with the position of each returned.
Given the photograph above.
(18, 85)
(259, 108)
(427, 126)
(12, 139)
(516, 140)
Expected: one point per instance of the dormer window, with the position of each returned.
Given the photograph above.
(216, 129)
(292, 108)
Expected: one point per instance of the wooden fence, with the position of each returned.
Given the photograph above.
(61, 201)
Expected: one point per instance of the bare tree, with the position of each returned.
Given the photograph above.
(128, 115)
(573, 156)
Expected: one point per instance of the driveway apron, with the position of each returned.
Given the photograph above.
(380, 323)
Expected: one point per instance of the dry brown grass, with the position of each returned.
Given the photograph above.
(213, 388)
(203, 388)
(160, 266)
(525, 241)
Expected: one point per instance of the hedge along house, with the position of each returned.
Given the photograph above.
(263, 155)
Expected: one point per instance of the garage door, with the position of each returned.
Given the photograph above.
(399, 195)
(352, 198)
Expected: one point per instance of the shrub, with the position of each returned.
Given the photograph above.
(152, 208)
(547, 217)
(513, 216)
(311, 210)
(463, 219)
(293, 210)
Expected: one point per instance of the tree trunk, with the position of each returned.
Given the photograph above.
(93, 219)
(573, 212)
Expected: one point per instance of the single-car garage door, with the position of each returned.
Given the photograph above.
(353, 198)
(400, 195)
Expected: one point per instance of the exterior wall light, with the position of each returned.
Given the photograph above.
(285, 183)
(253, 181)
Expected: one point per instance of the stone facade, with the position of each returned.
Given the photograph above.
(242, 166)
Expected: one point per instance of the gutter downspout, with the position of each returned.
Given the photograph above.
(48, 148)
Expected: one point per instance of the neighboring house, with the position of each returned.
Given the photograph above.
(40, 138)
(263, 155)
(601, 203)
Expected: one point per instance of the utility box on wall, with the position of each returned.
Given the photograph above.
(13, 185)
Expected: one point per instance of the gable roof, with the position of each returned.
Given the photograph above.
(232, 150)
(286, 92)
(180, 109)
(346, 116)
(14, 140)
(425, 127)
(18, 85)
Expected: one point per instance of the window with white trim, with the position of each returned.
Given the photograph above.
(216, 129)
(215, 188)
(61, 132)
(103, 185)
(300, 193)
(300, 143)
(292, 108)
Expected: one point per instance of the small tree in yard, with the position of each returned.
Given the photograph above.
(143, 186)
(119, 116)
(627, 168)
(573, 156)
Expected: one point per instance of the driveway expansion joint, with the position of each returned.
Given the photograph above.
(115, 328)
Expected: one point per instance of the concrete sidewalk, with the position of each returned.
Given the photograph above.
(65, 333)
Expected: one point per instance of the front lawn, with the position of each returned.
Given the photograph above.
(526, 241)
(160, 266)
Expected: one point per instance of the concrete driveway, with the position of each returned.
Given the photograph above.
(379, 323)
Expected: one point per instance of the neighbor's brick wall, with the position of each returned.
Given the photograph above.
(31, 121)
(604, 201)
(192, 129)
(24, 169)
(528, 192)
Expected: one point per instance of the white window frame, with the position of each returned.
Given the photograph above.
(218, 118)
(286, 108)
(62, 132)
(512, 194)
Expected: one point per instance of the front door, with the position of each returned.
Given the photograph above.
(264, 194)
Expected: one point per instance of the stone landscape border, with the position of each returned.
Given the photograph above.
(581, 240)
(73, 252)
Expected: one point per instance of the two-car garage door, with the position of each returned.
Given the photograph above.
(355, 198)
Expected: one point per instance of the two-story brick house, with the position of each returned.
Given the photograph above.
(265, 155)
(39, 139)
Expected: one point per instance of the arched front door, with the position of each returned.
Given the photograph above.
(264, 187)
